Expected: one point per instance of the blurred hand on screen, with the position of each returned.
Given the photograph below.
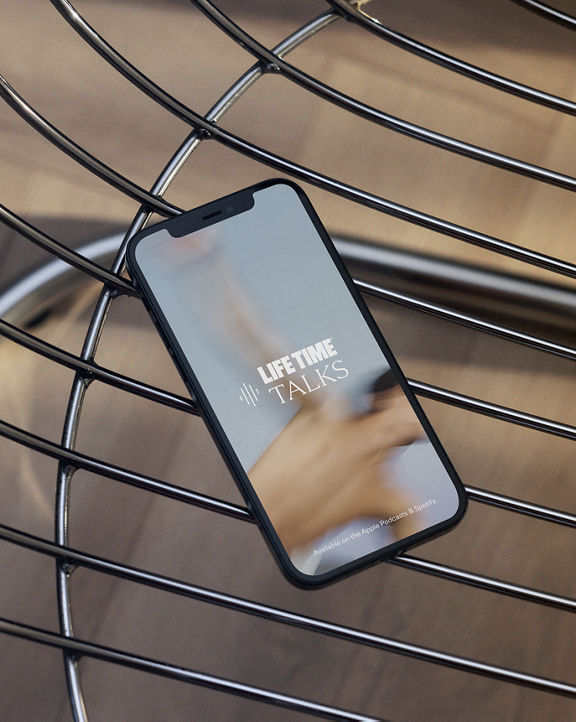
(326, 468)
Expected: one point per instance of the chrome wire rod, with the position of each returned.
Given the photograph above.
(76, 460)
(356, 14)
(91, 370)
(436, 393)
(95, 328)
(66, 471)
(82, 156)
(212, 130)
(80, 648)
(167, 584)
(464, 319)
(520, 506)
(481, 581)
(38, 237)
(89, 649)
(275, 63)
(548, 12)
(495, 411)
(228, 601)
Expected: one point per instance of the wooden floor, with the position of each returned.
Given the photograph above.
(179, 49)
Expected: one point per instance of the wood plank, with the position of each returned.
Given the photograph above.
(77, 91)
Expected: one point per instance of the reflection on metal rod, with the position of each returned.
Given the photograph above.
(93, 164)
(356, 14)
(64, 253)
(509, 503)
(96, 325)
(79, 647)
(168, 584)
(74, 459)
(495, 411)
(109, 654)
(549, 12)
(284, 165)
(353, 105)
(485, 292)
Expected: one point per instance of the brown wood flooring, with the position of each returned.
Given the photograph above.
(180, 50)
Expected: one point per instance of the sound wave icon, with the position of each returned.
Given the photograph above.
(249, 394)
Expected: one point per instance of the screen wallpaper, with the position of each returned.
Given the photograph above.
(303, 392)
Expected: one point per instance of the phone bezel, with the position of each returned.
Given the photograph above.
(214, 212)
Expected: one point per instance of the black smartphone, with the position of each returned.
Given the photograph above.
(295, 381)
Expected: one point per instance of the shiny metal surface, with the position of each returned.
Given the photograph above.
(549, 12)
(94, 331)
(317, 625)
(37, 291)
(211, 130)
(355, 13)
(75, 646)
(276, 64)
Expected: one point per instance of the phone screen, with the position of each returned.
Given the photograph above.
(297, 383)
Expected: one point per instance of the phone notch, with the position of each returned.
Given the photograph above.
(210, 213)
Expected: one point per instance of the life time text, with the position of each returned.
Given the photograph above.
(288, 367)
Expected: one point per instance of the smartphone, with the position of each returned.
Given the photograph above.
(301, 393)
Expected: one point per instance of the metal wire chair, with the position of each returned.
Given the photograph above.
(93, 260)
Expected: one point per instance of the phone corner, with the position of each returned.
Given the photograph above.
(279, 180)
(462, 508)
(306, 582)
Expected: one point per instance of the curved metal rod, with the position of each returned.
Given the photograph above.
(240, 604)
(64, 253)
(109, 654)
(464, 319)
(72, 459)
(520, 506)
(80, 647)
(92, 370)
(370, 113)
(66, 471)
(284, 165)
(93, 164)
(495, 411)
(355, 14)
(168, 584)
(95, 328)
(549, 12)
(353, 105)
